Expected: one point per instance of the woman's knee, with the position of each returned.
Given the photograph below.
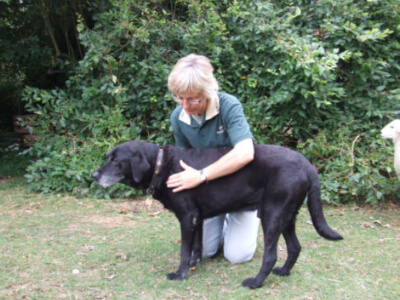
(212, 235)
(238, 256)
(241, 237)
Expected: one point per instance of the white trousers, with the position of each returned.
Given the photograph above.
(238, 231)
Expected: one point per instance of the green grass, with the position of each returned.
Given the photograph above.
(62, 247)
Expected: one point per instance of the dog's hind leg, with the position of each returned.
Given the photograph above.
(189, 224)
(271, 228)
(197, 252)
(293, 249)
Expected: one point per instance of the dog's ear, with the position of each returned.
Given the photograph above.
(139, 166)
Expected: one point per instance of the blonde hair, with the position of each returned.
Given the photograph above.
(193, 74)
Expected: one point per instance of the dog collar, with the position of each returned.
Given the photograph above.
(159, 160)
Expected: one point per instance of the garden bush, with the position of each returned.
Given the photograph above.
(317, 76)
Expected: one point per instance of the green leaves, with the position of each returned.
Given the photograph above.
(302, 70)
(373, 34)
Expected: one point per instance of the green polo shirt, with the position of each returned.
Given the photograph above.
(224, 125)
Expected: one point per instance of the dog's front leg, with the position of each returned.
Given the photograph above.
(189, 224)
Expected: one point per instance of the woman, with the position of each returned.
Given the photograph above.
(206, 118)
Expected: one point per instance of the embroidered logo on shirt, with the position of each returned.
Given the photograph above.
(221, 129)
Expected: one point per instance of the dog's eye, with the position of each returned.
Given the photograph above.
(115, 160)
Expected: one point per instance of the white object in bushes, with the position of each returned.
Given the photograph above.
(392, 131)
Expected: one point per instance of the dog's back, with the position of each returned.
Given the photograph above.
(274, 169)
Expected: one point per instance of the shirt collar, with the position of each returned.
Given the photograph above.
(211, 112)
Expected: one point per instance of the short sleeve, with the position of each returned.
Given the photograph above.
(235, 122)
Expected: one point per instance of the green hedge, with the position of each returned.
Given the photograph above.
(318, 76)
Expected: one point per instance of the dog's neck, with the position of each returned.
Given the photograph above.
(157, 168)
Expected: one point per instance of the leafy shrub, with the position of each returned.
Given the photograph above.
(311, 75)
(354, 165)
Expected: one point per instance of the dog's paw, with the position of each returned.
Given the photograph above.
(251, 283)
(176, 276)
(281, 271)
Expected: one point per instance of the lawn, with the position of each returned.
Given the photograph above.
(62, 247)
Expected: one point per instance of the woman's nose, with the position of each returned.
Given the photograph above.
(185, 104)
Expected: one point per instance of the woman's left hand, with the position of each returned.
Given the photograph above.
(187, 179)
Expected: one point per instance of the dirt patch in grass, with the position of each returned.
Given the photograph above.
(124, 213)
(108, 222)
(135, 206)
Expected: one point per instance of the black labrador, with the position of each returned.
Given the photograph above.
(275, 183)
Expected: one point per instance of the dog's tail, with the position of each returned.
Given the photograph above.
(314, 204)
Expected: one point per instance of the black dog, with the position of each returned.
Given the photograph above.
(276, 183)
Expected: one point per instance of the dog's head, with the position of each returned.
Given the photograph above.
(128, 164)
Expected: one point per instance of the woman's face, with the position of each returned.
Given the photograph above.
(192, 103)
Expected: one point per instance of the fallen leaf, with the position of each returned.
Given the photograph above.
(154, 214)
(148, 202)
(367, 225)
(121, 256)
